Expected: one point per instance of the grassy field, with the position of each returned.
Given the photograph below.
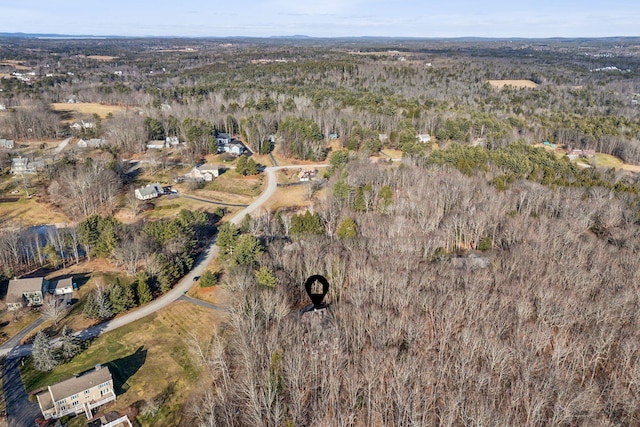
(30, 212)
(394, 154)
(87, 108)
(102, 57)
(294, 196)
(231, 187)
(149, 359)
(519, 84)
(169, 208)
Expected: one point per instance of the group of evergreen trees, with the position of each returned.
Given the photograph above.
(45, 357)
(158, 253)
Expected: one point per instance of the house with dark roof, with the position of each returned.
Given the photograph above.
(25, 292)
(223, 138)
(80, 394)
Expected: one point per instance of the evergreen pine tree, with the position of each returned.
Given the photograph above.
(69, 343)
(143, 290)
(90, 309)
(42, 353)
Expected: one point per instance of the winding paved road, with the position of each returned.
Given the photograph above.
(22, 412)
(182, 286)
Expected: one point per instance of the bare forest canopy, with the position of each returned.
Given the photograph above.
(538, 329)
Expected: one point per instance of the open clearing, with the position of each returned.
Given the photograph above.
(15, 64)
(102, 57)
(514, 83)
(600, 160)
(149, 359)
(88, 108)
(29, 212)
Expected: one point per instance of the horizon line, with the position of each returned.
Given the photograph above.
(297, 36)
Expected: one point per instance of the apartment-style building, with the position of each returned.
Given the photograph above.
(79, 394)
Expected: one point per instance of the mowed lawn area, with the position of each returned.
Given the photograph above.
(149, 360)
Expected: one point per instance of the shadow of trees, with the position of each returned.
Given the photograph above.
(125, 367)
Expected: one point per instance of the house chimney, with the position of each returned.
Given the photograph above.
(98, 366)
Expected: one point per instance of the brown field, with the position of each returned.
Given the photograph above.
(88, 108)
(293, 196)
(102, 57)
(15, 64)
(30, 212)
(519, 84)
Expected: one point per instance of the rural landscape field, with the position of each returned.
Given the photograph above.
(473, 204)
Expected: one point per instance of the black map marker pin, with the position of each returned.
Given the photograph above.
(317, 287)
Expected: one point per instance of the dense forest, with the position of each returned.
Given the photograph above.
(454, 302)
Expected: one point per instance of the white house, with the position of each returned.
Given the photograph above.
(82, 125)
(157, 145)
(223, 138)
(203, 173)
(92, 143)
(21, 165)
(62, 287)
(151, 191)
(424, 137)
(234, 148)
(6, 143)
(172, 141)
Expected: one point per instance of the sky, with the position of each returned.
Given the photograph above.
(324, 18)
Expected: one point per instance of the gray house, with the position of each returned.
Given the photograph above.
(25, 292)
(6, 143)
(21, 165)
(151, 191)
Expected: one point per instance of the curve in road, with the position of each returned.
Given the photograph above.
(183, 285)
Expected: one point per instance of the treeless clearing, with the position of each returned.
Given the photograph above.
(519, 84)
(30, 212)
(88, 108)
(296, 195)
(15, 64)
(394, 154)
(102, 57)
(169, 208)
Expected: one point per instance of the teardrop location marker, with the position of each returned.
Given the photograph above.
(317, 287)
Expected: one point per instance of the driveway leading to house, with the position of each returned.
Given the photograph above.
(61, 146)
(20, 411)
(14, 341)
